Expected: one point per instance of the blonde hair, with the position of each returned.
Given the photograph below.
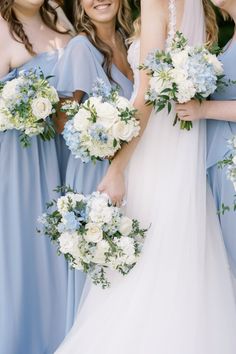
(83, 24)
(212, 29)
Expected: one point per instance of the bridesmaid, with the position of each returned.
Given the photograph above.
(33, 278)
(98, 50)
(220, 113)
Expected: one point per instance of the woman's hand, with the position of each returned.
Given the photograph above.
(113, 184)
(190, 111)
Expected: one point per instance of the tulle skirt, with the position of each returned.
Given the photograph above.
(178, 299)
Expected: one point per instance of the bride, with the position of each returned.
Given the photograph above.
(178, 299)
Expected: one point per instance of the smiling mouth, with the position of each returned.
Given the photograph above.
(102, 6)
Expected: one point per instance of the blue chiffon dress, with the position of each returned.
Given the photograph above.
(78, 68)
(33, 278)
(218, 133)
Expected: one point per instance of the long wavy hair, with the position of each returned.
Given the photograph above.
(210, 22)
(83, 24)
(48, 14)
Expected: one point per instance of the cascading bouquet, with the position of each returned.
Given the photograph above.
(181, 73)
(93, 235)
(26, 104)
(97, 128)
(230, 162)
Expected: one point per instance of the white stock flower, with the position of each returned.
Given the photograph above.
(81, 119)
(234, 160)
(99, 256)
(218, 66)
(68, 242)
(107, 114)
(126, 226)
(4, 120)
(54, 95)
(41, 107)
(31, 131)
(62, 204)
(94, 233)
(127, 245)
(124, 131)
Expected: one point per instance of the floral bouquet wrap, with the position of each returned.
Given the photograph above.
(26, 104)
(93, 235)
(97, 128)
(181, 73)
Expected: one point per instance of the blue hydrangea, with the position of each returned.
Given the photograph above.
(70, 221)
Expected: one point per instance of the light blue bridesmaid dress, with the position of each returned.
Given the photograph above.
(79, 67)
(218, 132)
(33, 279)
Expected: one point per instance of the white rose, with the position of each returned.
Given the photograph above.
(179, 59)
(106, 114)
(94, 233)
(126, 226)
(124, 131)
(41, 107)
(123, 103)
(81, 119)
(218, 66)
(68, 242)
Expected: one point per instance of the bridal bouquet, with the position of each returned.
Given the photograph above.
(26, 104)
(93, 235)
(181, 73)
(98, 127)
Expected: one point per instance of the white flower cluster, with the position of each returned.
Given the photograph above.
(181, 73)
(94, 235)
(25, 104)
(231, 162)
(100, 126)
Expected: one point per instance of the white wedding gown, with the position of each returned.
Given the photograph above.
(178, 299)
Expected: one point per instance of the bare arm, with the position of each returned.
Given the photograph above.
(219, 110)
(154, 15)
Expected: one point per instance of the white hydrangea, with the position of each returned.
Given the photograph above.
(68, 241)
(126, 226)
